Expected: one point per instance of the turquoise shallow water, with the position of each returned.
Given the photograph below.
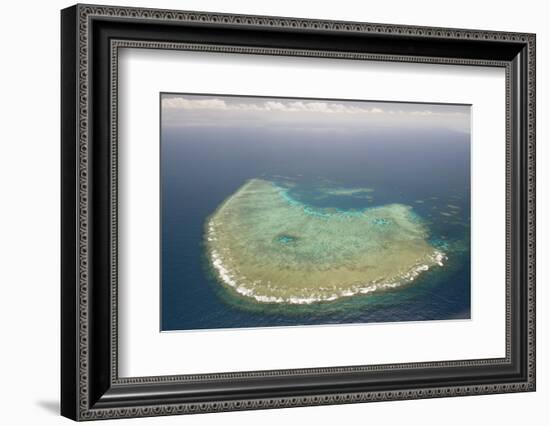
(434, 182)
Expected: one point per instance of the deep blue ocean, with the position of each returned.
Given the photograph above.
(427, 170)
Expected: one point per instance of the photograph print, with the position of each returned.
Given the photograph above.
(300, 212)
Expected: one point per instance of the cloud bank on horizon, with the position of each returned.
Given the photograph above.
(312, 114)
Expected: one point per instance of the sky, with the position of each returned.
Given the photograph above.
(222, 111)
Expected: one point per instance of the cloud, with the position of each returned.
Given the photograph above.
(254, 112)
(190, 104)
(216, 104)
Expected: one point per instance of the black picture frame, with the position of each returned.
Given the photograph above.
(90, 38)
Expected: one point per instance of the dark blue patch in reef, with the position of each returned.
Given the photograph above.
(381, 221)
(286, 239)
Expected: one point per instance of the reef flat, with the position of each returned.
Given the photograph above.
(347, 191)
(268, 246)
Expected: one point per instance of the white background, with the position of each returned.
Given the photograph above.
(146, 352)
(29, 225)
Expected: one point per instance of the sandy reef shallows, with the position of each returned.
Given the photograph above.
(268, 246)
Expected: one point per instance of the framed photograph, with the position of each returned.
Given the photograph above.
(263, 212)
